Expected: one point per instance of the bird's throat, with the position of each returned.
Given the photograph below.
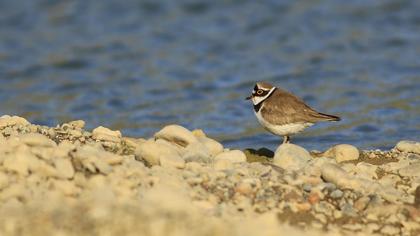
(257, 107)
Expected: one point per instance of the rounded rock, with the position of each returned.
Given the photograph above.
(212, 145)
(64, 168)
(176, 134)
(234, 156)
(408, 146)
(343, 152)
(411, 170)
(292, 157)
(4, 180)
(12, 120)
(79, 124)
(150, 151)
(35, 139)
(172, 161)
(223, 164)
(336, 194)
(197, 152)
(105, 134)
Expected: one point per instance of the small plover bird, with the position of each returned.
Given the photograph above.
(282, 113)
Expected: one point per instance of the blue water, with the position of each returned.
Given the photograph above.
(138, 65)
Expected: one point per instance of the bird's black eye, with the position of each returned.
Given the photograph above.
(259, 92)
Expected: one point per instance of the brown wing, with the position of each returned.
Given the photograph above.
(286, 108)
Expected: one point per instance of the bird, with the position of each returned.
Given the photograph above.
(282, 113)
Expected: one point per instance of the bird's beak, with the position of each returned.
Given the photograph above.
(247, 98)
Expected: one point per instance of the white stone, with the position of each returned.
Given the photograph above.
(111, 158)
(291, 157)
(35, 139)
(408, 146)
(390, 230)
(63, 149)
(212, 145)
(198, 133)
(64, 168)
(336, 193)
(14, 191)
(151, 152)
(234, 156)
(90, 158)
(37, 166)
(395, 166)
(176, 134)
(66, 187)
(105, 134)
(79, 124)
(4, 180)
(336, 175)
(223, 164)
(172, 161)
(12, 120)
(390, 194)
(411, 170)
(343, 152)
(197, 152)
(389, 180)
(366, 170)
(17, 163)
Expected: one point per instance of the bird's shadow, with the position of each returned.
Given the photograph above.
(260, 155)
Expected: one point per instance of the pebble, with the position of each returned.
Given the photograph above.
(366, 170)
(223, 164)
(176, 134)
(408, 146)
(234, 156)
(336, 194)
(211, 145)
(361, 203)
(244, 188)
(7, 120)
(35, 139)
(105, 134)
(314, 198)
(151, 151)
(291, 157)
(343, 152)
(66, 187)
(64, 168)
(390, 230)
(172, 161)
(348, 210)
(197, 152)
(4, 180)
(307, 187)
(14, 191)
(411, 170)
(17, 163)
(78, 124)
(334, 174)
(90, 158)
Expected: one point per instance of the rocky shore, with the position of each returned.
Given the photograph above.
(66, 180)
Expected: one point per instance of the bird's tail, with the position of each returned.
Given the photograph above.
(327, 117)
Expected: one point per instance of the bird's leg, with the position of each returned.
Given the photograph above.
(286, 139)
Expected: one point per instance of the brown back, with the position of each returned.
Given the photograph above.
(286, 108)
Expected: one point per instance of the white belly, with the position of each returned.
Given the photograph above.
(282, 130)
